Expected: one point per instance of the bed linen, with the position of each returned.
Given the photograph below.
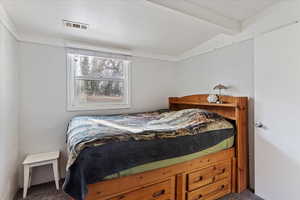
(99, 147)
(225, 144)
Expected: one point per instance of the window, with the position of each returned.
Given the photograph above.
(97, 80)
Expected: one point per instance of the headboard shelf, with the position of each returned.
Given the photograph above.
(231, 105)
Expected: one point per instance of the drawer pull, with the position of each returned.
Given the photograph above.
(213, 179)
(121, 197)
(218, 189)
(222, 171)
(199, 179)
(159, 193)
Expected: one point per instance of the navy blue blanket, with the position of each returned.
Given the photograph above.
(95, 163)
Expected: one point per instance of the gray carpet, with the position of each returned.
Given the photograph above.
(48, 192)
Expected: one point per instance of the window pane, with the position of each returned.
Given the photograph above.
(99, 91)
(99, 67)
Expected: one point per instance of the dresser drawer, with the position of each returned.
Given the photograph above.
(209, 175)
(160, 191)
(212, 191)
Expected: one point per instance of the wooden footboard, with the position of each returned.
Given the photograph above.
(208, 177)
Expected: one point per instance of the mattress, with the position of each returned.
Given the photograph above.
(105, 147)
(225, 144)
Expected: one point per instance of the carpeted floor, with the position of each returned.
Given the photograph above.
(48, 192)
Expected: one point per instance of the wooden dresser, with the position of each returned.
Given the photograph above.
(206, 178)
(209, 183)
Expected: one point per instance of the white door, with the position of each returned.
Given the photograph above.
(277, 107)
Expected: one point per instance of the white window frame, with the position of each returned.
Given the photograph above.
(71, 106)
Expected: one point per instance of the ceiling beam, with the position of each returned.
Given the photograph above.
(229, 25)
(8, 23)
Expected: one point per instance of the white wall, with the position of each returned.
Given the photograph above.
(232, 66)
(43, 98)
(277, 104)
(9, 114)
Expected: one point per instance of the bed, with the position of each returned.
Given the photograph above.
(193, 151)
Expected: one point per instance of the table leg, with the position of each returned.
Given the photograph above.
(56, 173)
(26, 180)
(30, 175)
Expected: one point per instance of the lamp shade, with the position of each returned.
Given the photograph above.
(220, 87)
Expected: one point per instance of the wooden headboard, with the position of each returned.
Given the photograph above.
(234, 108)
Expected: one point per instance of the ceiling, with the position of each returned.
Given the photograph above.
(235, 9)
(157, 27)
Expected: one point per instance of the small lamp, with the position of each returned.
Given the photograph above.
(220, 87)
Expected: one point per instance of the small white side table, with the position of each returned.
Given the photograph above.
(35, 160)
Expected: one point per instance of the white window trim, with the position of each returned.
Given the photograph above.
(99, 106)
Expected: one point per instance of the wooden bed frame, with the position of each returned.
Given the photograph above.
(205, 178)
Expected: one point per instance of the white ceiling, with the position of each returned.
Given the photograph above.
(235, 9)
(138, 25)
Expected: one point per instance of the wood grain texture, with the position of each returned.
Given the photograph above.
(180, 186)
(226, 109)
(48, 191)
(160, 191)
(242, 143)
(212, 191)
(209, 175)
(234, 108)
(235, 176)
(110, 188)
